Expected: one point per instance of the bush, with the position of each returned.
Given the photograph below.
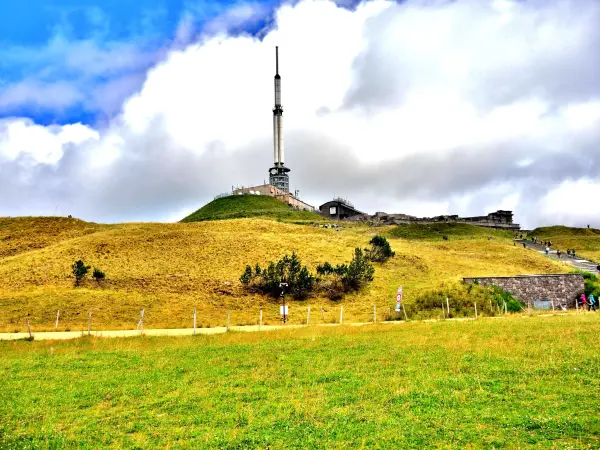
(344, 278)
(288, 270)
(380, 250)
(79, 270)
(98, 275)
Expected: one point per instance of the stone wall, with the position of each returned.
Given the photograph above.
(502, 220)
(561, 289)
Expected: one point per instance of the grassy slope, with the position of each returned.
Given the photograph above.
(22, 234)
(242, 206)
(585, 241)
(169, 269)
(436, 231)
(485, 384)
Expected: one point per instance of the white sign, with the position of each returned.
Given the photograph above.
(283, 310)
(398, 299)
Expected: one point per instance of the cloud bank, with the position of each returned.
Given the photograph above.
(421, 107)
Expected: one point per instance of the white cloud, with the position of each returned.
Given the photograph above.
(420, 107)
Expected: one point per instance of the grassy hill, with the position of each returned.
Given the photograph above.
(481, 384)
(585, 241)
(169, 269)
(243, 206)
(436, 231)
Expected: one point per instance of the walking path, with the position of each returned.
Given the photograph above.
(577, 262)
(64, 335)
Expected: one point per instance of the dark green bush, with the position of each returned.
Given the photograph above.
(380, 250)
(98, 275)
(79, 270)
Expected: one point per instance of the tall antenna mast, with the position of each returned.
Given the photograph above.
(276, 60)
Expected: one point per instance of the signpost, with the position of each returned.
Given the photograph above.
(283, 309)
(398, 299)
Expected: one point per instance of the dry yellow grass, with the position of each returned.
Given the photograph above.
(169, 269)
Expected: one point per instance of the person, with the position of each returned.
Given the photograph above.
(524, 244)
(558, 253)
(547, 251)
(583, 302)
(591, 303)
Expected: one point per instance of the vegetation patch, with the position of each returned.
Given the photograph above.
(510, 383)
(437, 231)
(242, 206)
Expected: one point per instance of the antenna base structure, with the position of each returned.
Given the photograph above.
(278, 177)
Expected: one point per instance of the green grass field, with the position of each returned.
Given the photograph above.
(513, 383)
(243, 206)
(436, 231)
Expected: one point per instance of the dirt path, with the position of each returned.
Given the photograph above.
(64, 335)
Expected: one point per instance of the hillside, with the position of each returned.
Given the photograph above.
(22, 234)
(244, 206)
(436, 231)
(585, 241)
(169, 269)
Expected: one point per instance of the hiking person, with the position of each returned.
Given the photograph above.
(524, 244)
(583, 302)
(591, 303)
(547, 251)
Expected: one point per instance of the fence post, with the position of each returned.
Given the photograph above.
(323, 314)
(505, 308)
(29, 328)
(89, 323)
(341, 314)
(260, 319)
(194, 321)
(141, 324)
(374, 313)
(475, 310)
(228, 319)
(56, 324)
(308, 316)
(404, 309)
(529, 307)
(443, 312)
(448, 306)
(576, 305)
(553, 306)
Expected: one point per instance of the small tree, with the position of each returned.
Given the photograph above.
(380, 250)
(98, 275)
(247, 277)
(80, 270)
(360, 272)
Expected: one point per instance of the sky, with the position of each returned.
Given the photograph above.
(120, 111)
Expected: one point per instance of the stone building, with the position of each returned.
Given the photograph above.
(339, 209)
(502, 220)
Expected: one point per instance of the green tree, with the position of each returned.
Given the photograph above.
(380, 250)
(98, 275)
(247, 277)
(79, 270)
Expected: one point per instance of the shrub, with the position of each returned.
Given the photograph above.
(98, 275)
(344, 278)
(380, 250)
(288, 270)
(79, 270)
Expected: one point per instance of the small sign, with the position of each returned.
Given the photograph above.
(398, 299)
(283, 310)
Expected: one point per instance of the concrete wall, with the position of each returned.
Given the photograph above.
(561, 288)
(272, 191)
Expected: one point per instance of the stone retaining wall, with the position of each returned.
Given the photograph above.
(561, 288)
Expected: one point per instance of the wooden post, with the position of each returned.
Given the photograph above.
(260, 319)
(405, 316)
(553, 306)
(228, 319)
(341, 314)
(142, 321)
(323, 314)
(89, 324)
(505, 308)
(529, 307)
(475, 310)
(194, 321)
(448, 306)
(56, 324)
(491, 308)
(308, 316)
(29, 328)
(577, 305)
(374, 313)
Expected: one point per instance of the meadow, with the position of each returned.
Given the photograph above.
(522, 382)
(170, 269)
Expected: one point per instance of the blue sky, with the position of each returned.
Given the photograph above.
(67, 61)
